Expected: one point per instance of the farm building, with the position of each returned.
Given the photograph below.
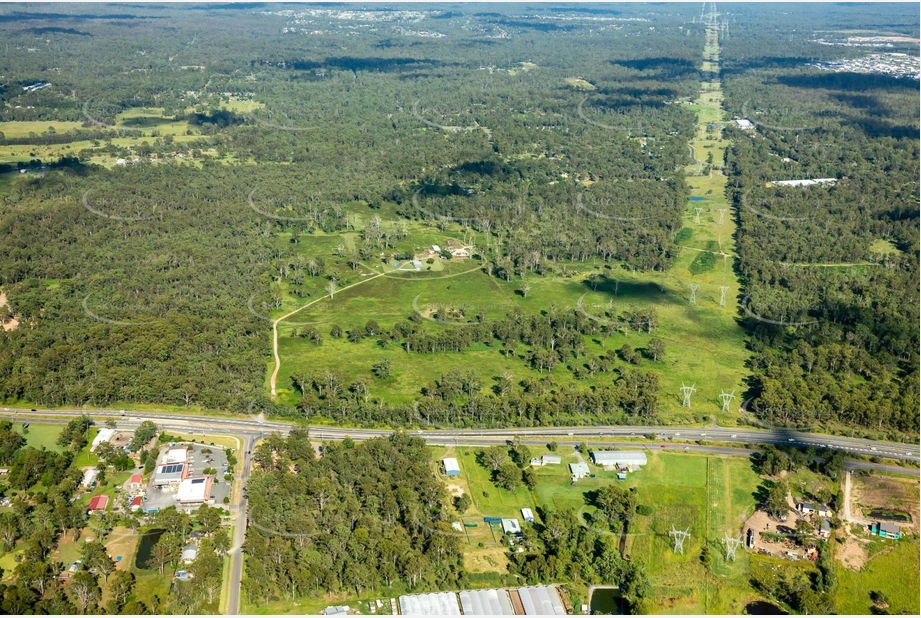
(89, 476)
(622, 459)
(98, 503)
(825, 529)
(494, 602)
(804, 183)
(511, 526)
(104, 435)
(451, 466)
(431, 604)
(336, 610)
(549, 460)
(536, 461)
(169, 475)
(541, 601)
(887, 530)
(189, 554)
(193, 492)
(744, 124)
(527, 515)
(578, 470)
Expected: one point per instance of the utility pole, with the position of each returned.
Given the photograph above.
(687, 391)
(679, 537)
(726, 398)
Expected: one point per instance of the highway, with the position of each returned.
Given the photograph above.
(682, 439)
(742, 436)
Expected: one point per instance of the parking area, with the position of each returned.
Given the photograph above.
(201, 459)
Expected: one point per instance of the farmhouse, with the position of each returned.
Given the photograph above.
(620, 459)
(135, 482)
(136, 503)
(551, 460)
(98, 503)
(825, 529)
(511, 527)
(451, 467)
(189, 554)
(578, 470)
(887, 530)
(193, 492)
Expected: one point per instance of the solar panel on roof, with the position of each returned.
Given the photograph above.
(197, 481)
(171, 468)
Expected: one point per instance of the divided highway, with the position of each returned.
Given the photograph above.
(251, 429)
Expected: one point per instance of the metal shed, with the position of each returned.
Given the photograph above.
(619, 458)
(451, 466)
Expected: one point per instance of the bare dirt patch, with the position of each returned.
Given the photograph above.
(853, 554)
(886, 492)
(455, 490)
(760, 522)
(9, 322)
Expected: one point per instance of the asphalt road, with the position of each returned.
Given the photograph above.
(250, 429)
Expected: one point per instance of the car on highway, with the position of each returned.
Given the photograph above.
(789, 439)
(733, 436)
(703, 434)
(662, 446)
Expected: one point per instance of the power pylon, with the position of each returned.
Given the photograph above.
(726, 398)
(732, 544)
(723, 290)
(694, 287)
(687, 391)
(722, 212)
(679, 537)
(697, 212)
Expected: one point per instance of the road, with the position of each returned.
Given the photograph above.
(854, 446)
(239, 530)
(680, 439)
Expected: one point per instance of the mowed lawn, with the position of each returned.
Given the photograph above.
(893, 572)
(39, 436)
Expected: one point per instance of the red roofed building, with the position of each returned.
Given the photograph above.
(136, 481)
(99, 503)
(136, 503)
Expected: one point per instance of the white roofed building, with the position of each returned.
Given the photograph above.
(193, 492)
(486, 603)
(104, 435)
(541, 601)
(451, 466)
(622, 459)
(432, 604)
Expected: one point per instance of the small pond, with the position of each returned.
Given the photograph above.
(607, 602)
(698, 199)
(148, 540)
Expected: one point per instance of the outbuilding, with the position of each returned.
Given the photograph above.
(451, 466)
(549, 460)
(622, 459)
(511, 527)
(98, 503)
(527, 515)
(578, 470)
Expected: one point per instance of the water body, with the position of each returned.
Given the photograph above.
(607, 602)
(149, 539)
(763, 608)
(698, 199)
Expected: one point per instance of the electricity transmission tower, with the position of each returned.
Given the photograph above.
(726, 398)
(723, 290)
(722, 212)
(731, 546)
(697, 212)
(687, 391)
(679, 537)
(694, 287)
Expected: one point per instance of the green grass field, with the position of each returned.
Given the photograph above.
(39, 435)
(893, 572)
